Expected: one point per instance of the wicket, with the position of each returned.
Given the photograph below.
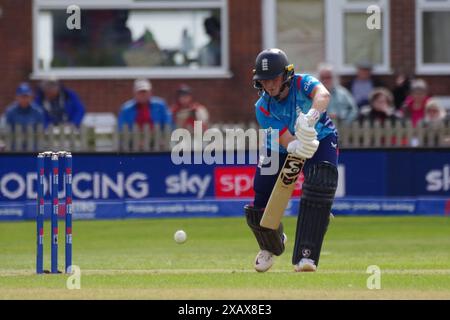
(54, 176)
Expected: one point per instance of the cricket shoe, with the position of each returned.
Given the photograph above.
(264, 259)
(305, 265)
(284, 238)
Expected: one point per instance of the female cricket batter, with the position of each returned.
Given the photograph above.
(295, 104)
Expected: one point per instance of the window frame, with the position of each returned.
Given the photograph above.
(421, 67)
(334, 41)
(269, 23)
(133, 72)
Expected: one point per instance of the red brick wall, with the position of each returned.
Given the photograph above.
(228, 99)
(15, 47)
(403, 53)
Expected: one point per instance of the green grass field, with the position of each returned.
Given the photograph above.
(138, 259)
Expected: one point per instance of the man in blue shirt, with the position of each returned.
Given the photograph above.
(295, 105)
(24, 111)
(144, 108)
(342, 106)
(59, 104)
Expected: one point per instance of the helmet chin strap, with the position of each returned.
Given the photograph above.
(286, 83)
(283, 87)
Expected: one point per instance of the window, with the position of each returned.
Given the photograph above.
(130, 38)
(349, 40)
(433, 36)
(361, 43)
(301, 32)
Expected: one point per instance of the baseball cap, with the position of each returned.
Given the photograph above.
(184, 89)
(50, 82)
(24, 89)
(418, 84)
(142, 85)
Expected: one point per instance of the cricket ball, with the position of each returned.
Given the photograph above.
(180, 236)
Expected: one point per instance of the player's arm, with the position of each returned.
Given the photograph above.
(321, 98)
(286, 138)
(319, 95)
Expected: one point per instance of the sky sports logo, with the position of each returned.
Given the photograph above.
(439, 179)
(232, 182)
(237, 182)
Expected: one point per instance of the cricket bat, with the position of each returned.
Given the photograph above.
(282, 192)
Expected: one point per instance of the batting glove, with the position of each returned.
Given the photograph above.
(303, 131)
(312, 117)
(303, 150)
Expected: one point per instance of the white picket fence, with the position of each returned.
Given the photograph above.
(393, 135)
(151, 139)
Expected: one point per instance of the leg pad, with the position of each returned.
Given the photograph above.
(315, 207)
(268, 239)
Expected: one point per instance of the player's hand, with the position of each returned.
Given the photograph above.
(303, 150)
(303, 131)
(312, 117)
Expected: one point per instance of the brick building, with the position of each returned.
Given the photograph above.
(306, 29)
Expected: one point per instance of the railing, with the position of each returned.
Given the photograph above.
(91, 139)
(393, 135)
(32, 138)
(148, 138)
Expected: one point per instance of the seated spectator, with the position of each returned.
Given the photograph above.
(434, 114)
(342, 106)
(381, 106)
(60, 104)
(24, 111)
(363, 84)
(185, 110)
(414, 105)
(144, 108)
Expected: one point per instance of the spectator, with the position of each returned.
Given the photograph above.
(24, 111)
(210, 54)
(144, 108)
(60, 104)
(342, 106)
(381, 106)
(434, 114)
(401, 89)
(414, 105)
(185, 110)
(363, 84)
